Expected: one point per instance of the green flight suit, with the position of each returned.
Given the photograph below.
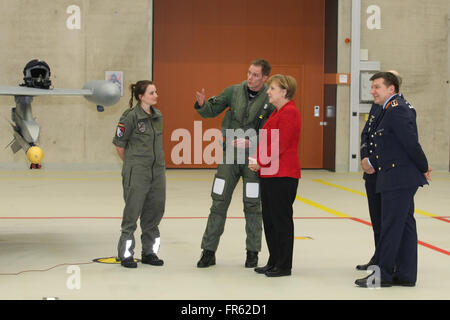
(143, 178)
(242, 114)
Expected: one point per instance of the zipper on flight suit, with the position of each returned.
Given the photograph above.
(154, 142)
(247, 110)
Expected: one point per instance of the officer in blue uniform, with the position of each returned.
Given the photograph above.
(370, 174)
(401, 168)
(373, 198)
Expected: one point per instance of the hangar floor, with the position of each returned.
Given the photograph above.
(54, 223)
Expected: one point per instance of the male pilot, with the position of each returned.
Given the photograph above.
(401, 168)
(249, 108)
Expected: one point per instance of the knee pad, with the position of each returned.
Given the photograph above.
(252, 192)
(219, 189)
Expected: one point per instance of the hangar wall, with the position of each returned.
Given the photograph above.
(343, 92)
(112, 36)
(413, 39)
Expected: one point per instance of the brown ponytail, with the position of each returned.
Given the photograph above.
(132, 87)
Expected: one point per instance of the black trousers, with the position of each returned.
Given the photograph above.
(277, 198)
(397, 247)
(374, 202)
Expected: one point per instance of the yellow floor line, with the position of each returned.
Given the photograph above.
(339, 187)
(321, 207)
(342, 215)
(189, 179)
(424, 213)
(303, 238)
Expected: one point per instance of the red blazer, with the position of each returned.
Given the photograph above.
(285, 162)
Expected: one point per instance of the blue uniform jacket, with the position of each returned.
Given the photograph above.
(367, 135)
(400, 160)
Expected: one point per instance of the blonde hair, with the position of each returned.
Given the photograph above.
(285, 82)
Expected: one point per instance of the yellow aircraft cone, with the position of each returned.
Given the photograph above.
(35, 155)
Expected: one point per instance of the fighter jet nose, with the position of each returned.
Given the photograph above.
(35, 155)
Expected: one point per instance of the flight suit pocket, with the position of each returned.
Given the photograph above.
(143, 127)
(159, 151)
(126, 176)
(158, 125)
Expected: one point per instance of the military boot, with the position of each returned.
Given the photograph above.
(208, 259)
(152, 259)
(129, 263)
(252, 259)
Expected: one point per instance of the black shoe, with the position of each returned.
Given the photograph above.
(362, 267)
(129, 263)
(252, 259)
(264, 269)
(208, 259)
(398, 282)
(152, 259)
(276, 272)
(368, 283)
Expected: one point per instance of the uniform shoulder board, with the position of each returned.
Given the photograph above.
(409, 104)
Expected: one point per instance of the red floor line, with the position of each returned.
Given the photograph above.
(362, 221)
(429, 246)
(174, 218)
(296, 218)
(181, 218)
(434, 248)
(442, 219)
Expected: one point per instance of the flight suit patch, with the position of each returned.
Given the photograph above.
(141, 127)
(120, 130)
(394, 103)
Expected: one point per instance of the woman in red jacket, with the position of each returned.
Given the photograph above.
(279, 168)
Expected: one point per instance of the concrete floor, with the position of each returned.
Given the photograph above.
(54, 223)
